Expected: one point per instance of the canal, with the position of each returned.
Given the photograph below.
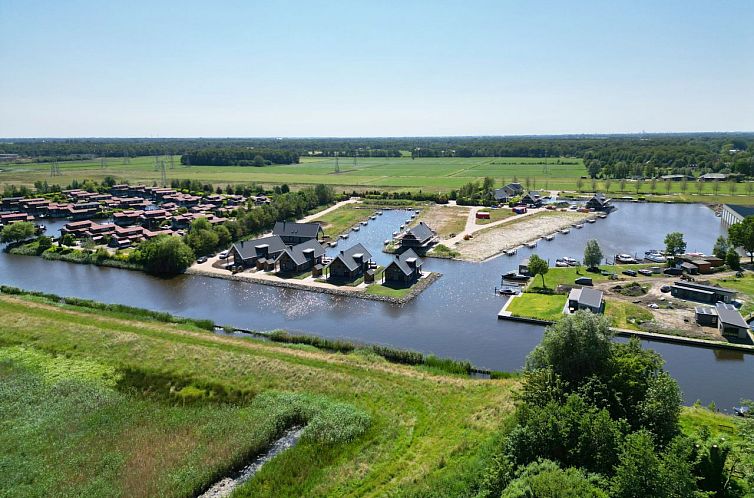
(455, 317)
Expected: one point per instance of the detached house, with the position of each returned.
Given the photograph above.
(300, 258)
(350, 264)
(296, 233)
(599, 202)
(505, 194)
(260, 252)
(419, 238)
(533, 199)
(405, 269)
(586, 298)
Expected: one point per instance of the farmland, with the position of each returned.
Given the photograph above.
(404, 173)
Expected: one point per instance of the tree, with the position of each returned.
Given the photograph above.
(608, 183)
(638, 474)
(721, 247)
(668, 186)
(653, 185)
(579, 184)
(622, 184)
(732, 186)
(674, 243)
(545, 479)
(575, 347)
(592, 254)
(538, 266)
(164, 255)
(639, 183)
(17, 232)
(742, 235)
(699, 187)
(44, 243)
(733, 260)
(202, 239)
(259, 160)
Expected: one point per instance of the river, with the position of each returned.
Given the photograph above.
(455, 317)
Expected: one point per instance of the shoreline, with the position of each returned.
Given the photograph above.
(414, 291)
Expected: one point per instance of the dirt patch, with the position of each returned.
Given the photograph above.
(490, 242)
(446, 220)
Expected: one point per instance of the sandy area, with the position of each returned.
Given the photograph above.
(446, 220)
(514, 232)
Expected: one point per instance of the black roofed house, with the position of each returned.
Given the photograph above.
(586, 298)
(735, 213)
(300, 258)
(349, 264)
(730, 322)
(702, 293)
(296, 233)
(419, 238)
(248, 253)
(405, 269)
(532, 198)
(599, 202)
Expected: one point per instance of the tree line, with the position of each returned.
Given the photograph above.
(238, 156)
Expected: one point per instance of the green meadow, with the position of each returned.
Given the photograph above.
(403, 173)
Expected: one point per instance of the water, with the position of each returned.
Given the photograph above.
(225, 486)
(455, 317)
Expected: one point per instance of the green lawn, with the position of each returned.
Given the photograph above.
(745, 287)
(566, 276)
(626, 315)
(496, 215)
(342, 219)
(541, 306)
(388, 291)
(94, 403)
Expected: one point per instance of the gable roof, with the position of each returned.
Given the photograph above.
(502, 193)
(291, 229)
(346, 257)
(401, 261)
(586, 296)
(296, 253)
(742, 211)
(729, 315)
(247, 249)
(420, 232)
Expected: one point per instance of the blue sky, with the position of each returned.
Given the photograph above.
(379, 68)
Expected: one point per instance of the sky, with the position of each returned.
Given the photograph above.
(373, 68)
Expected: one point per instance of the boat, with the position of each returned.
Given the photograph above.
(591, 220)
(395, 234)
(364, 223)
(379, 213)
(625, 259)
(579, 225)
(373, 217)
(508, 292)
(413, 216)
(518, 277)
(565, 230)
(417, 211)
(401, 227)
(531, 245)
(570, 261)
(356, 228)
(549, 237)
(510, 252)
(385, 242)
(655, 258)
(333, 244)
(602, 216)
(561, 263)
(344, 236)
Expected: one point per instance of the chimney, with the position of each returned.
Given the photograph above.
(262, 249)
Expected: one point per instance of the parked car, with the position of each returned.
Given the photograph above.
(201, 260)
(224, 255)
(630, 273)
(673, 271)
(583, 281)
(645, 272)
(665, 289)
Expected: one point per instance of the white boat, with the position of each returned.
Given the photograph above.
(413, 216)
(625, 259)
(395, 234)
(561, 263)
(417, 211)
(356, 228)
(579, 225)
(602, 216)
(570, 261)
(549, 237)
(510, 252)
(591, 220)
(333, 244)
(531, 245)
(402, 227)
(344, 236)
(379, 213)
(373, 217)
(565, 230)
(655, 258)
(385, 242)
(364, 223)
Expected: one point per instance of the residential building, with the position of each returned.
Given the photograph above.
(713, 177)
(692, 291)
(735, 213)
(296, 233)
(250, 253)
(349, 264)
(532, 199)
(301, 257)
(599, 202)
(420, 238)
(586, 298)
(730, 323)
(404, 269)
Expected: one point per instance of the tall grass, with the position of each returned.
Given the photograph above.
(132, 311)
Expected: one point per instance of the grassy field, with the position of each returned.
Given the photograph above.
(567, 275)
(93, 403)
(626, 315)
(745, 286)
(342, 219)
(404, 173)
(540, 306)
(496, 215)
